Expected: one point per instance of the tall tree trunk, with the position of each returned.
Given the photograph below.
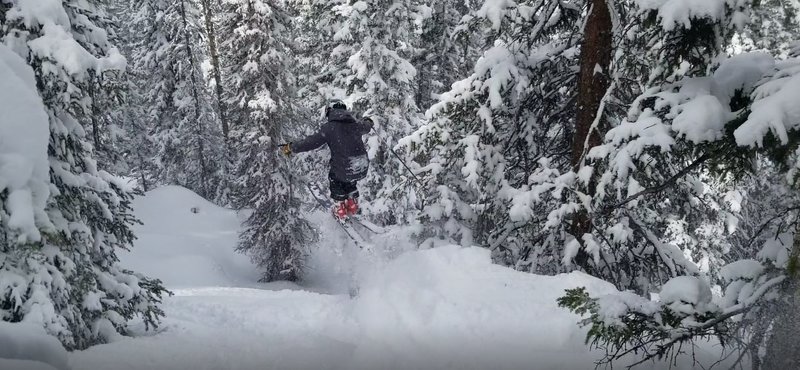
(593, 83)
(145, 186)
(783, 346)
(205, 190)
(94, 111)
(215, 70)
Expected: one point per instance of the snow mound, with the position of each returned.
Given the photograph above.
(187, 241)
(450, 307)
(679, 13)
(741, 72)
(28, 346)
(743, 269)
(687, 289)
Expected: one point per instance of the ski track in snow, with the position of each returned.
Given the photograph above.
(445, 308)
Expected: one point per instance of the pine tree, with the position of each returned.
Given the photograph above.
(685, 172)
(506, 141)
(759, 140)
(488, 134)
(69, 278)
(258, 66)
(443, 54)
(167, 58)
(630, 198)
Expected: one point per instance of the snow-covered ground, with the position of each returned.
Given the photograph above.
(186, 249)
(443, 308)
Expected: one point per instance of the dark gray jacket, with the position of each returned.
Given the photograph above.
(342, 133)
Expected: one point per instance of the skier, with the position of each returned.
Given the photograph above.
(349, 163)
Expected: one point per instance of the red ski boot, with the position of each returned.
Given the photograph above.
(340, 210)
(352, 206)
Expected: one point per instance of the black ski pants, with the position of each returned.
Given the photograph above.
(341, 190)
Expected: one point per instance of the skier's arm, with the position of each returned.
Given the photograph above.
(312, 142)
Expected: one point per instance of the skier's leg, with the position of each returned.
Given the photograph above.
(338, 189)
(352, 198)
(339, 196)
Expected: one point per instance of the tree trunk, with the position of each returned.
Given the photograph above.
(205, 191)
(593, 82)
(142, 165)
(783, 347)
(215, 70)
(94, 111)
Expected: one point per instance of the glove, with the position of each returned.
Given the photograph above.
(286, 149)
(368, 124)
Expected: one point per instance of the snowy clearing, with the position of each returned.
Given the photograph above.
(443, 308)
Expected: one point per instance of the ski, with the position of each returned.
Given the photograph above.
(369, 226)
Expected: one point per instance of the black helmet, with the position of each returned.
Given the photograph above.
(334, 104)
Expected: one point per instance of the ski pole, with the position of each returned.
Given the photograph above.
(369, 113)
(419, 182)
(406, 166)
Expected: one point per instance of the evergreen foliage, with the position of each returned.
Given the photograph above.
(256, 61)
(494, 128)
(65, 274)
(189, 149)
(680, 170)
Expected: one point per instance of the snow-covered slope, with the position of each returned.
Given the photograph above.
(187, 249)
(26, 346)
(444, 308)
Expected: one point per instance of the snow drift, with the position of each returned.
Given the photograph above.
(442, 308)
(186, 241)
(26, 346)
(450, 307)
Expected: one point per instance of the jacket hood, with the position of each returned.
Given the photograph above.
(341, 115)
